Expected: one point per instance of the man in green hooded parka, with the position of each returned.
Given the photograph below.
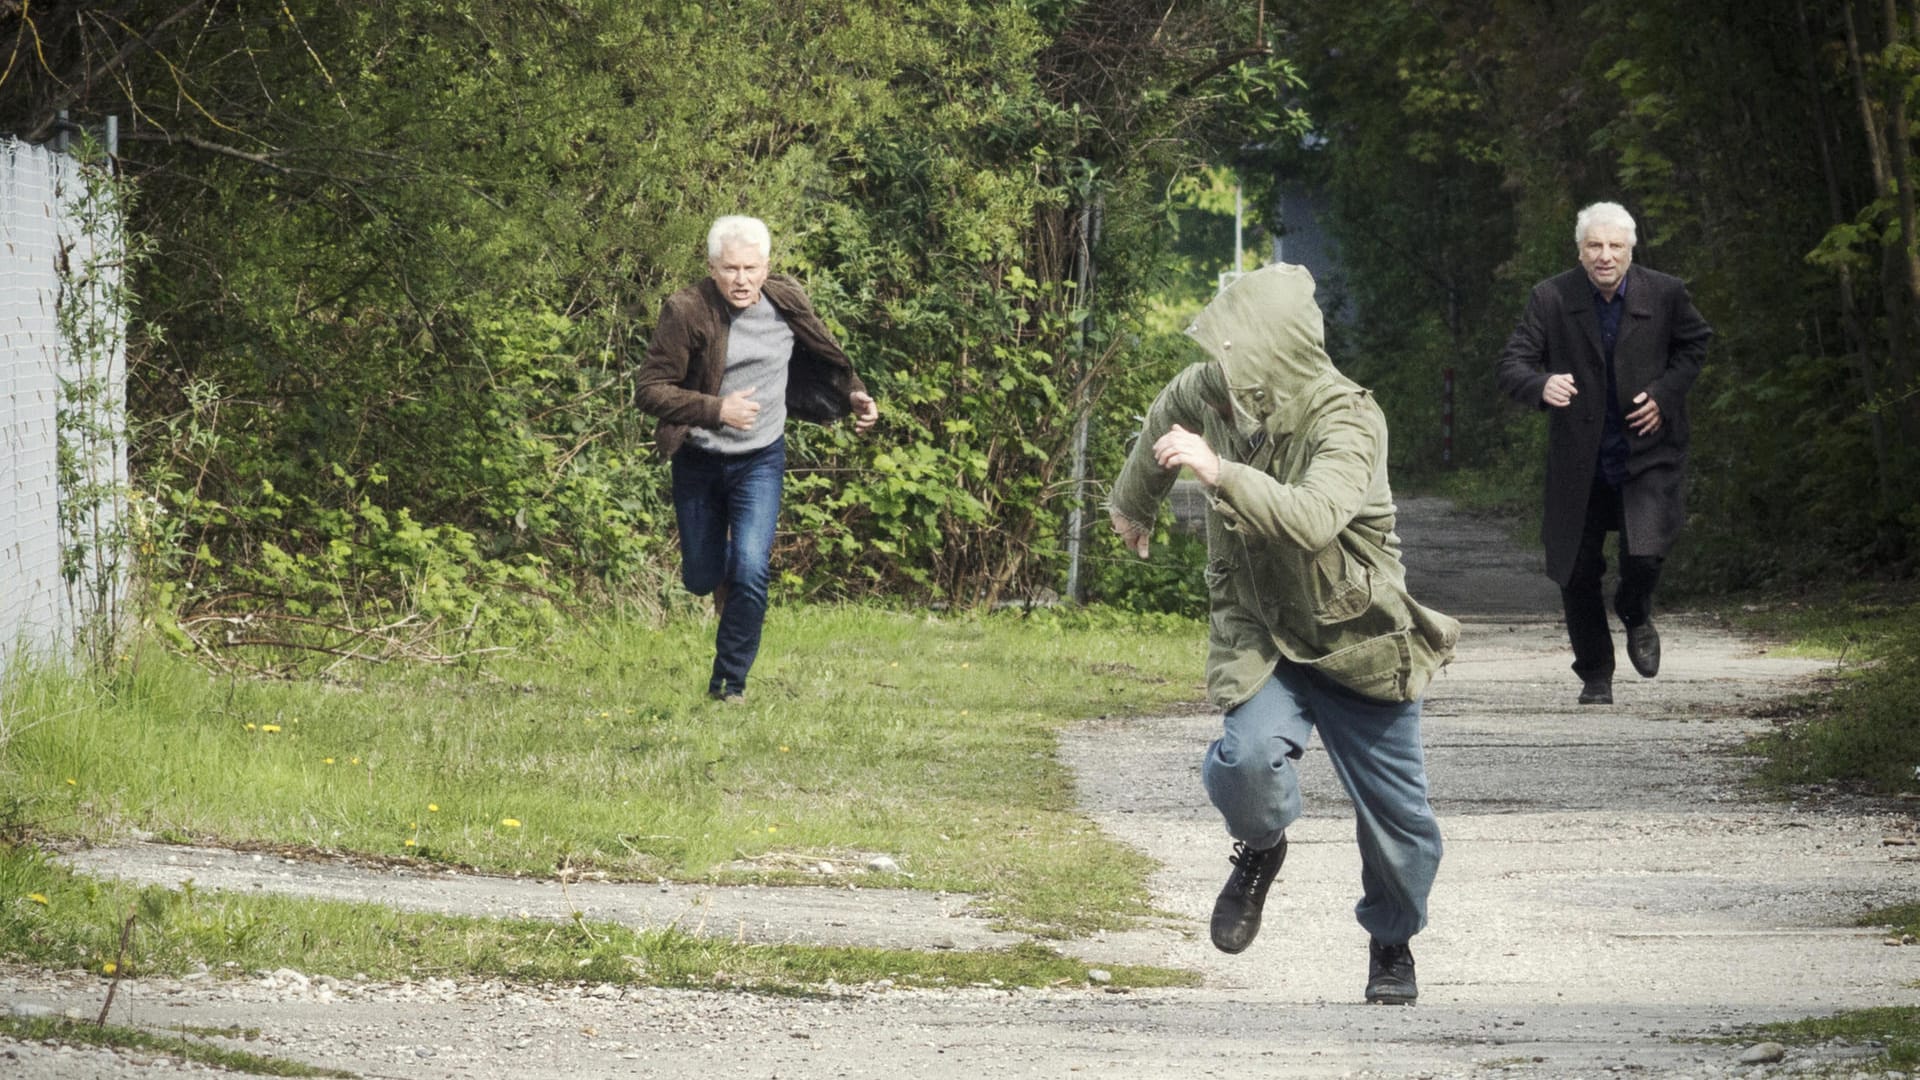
(1311, 624)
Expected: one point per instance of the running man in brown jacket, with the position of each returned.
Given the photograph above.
(731, 358)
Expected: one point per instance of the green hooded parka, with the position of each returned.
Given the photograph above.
(1303, 561)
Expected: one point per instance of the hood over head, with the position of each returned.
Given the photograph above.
(1269, 338)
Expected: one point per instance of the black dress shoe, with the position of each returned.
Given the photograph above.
(1390, 974)
(1643, 648)
(1597, 691)
(1236, 914)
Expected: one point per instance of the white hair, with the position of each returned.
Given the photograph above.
(1604, 213)
(737, 229)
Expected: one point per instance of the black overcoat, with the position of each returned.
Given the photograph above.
(1661, 343)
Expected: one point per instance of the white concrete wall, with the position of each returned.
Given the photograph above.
(32, 594)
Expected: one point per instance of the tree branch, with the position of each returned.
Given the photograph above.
(263, 160)
(1221, 65)
(119, 59)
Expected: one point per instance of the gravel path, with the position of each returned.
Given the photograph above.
(1610, 895)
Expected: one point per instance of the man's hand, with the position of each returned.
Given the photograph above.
(738, 409)
(1644, 420)
(1136, 538)
(1182, 447)
(1559, 390)
(866, 411)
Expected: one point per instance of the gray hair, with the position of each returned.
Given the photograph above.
(1604, 213)
(737, 229)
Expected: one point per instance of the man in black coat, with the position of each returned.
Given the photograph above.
(1609, 351)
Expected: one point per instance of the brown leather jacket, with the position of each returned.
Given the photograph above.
(679, 377)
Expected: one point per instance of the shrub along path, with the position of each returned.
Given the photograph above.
(1610, 890)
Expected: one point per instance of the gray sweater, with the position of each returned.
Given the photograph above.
(759, 347)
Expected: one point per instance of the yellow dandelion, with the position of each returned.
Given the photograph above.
(109, 968)
(250, 727)
(270, 729)
(783, 749)
(963, 712)
(433, 808)
(326, 761)
(410, 842)
(896, 663)
(964, 664)
(604, 715)
(71, 782)
(354, 761)
(511, 823)
(773, 828)
(39, 899)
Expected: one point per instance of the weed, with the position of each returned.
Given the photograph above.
(73, 1033)
(1897, 1028)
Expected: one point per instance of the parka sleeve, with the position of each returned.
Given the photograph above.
(1142, 483)
(658, 386)
(1349, 444)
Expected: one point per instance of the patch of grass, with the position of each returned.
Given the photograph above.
(53, 918)
(1897, 1028)
(1852, 624)
(1513, 494)
(1865, 732)
(1901, 919)
(112, 1036)
(927, 739)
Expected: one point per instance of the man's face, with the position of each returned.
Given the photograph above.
(739, 270)
(1605, 254)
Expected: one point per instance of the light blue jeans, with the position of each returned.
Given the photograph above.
(1250, 775)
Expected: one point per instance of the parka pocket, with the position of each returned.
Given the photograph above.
(1342, 585)
(1379, 667)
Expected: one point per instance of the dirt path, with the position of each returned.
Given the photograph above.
(1608, 886)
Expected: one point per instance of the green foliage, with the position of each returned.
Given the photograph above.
(407, 254)
(93, 310)
(1408, 165)
(1763, 164)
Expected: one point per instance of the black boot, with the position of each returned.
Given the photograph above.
(1236, 914)
(1596, 691)
(1643, 648)
(1390, 974)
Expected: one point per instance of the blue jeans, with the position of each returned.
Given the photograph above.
(1250, 775)
(727, 506)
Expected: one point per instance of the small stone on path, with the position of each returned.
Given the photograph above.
(1765, 1053)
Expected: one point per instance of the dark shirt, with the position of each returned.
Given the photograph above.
(1613, 435)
